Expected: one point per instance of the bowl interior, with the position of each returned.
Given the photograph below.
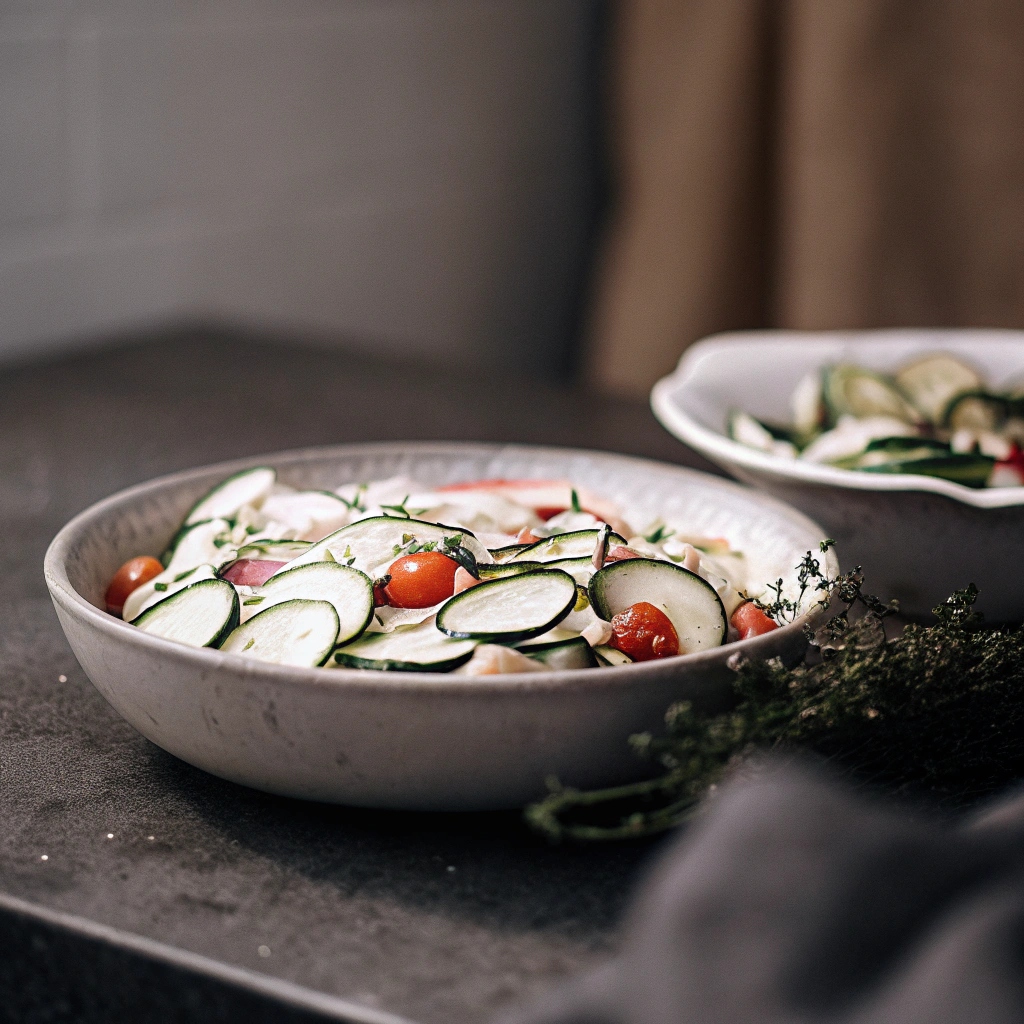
(141, 520)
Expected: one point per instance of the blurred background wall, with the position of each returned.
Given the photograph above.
(415, 176)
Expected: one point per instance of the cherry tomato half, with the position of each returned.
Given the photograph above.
(644, 633)
(750, 621)
(132, 574)
(418, 581)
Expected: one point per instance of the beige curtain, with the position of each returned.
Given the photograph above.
(809, 164)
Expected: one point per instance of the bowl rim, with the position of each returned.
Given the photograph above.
(371, 681)
(722, 449)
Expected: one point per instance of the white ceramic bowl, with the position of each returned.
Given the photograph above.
(404, 740)
(919, 538)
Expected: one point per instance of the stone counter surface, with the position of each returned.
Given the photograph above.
(434, 918)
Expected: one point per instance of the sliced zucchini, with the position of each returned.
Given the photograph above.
(161, 587)
(372, 544)
(562, 654)
(933, 382)
(808, 406)
(898, 445)
(977, 410)
(200, 615)
(853, 391)
(295, 632)
(752, 433)
(498, 569)
(610, 657)
(690, 602)
(510, 608)
(577, 544)
(502, 555)
(420, 648)
(248, 487)
(199, 544)
(348, 590)
(273, 550)
(970, 469)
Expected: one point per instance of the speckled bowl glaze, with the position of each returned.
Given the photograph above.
(918, 538)
(405, 740)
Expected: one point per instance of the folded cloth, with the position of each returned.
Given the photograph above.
(793, 899)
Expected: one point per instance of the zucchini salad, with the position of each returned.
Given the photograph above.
(933, 417)
(478, 578)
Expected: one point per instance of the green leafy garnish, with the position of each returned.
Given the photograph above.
(660, 533)
(160, 586)
(936, 710)
(181, 576)
(575, 499)
(253, 600)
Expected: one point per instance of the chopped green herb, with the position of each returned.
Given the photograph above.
(252, 640)
(351, 560)
(656, 536)
(253, 600)
(182, 575)
(160, 586)
(575, 498)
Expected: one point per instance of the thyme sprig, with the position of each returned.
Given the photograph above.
(935, 710)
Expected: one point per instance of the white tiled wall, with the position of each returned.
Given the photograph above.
(408, 174)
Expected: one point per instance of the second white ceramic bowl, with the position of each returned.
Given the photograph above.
(918, 538)
(405, 740)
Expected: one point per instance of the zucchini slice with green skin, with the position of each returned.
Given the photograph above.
(854, 391)
(199, 615)
(273, 550)
(502, 555)
(161, 587)
(976, 410)
(372, 544)
(969, 469)
(224, 500)
(196, 545)
(690, 602)
(808, 408)
(933, 382)
(578, 544)
(764, 437)
(611, 657)
(348, 590)
(897, 445)
(420, 648)
(562, 654)
(498, 569)
(296, 632)
(510, 608)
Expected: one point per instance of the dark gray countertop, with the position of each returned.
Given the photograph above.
(439, 918)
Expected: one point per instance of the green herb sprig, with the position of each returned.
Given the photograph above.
(937, 710)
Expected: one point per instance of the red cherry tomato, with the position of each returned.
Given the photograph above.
(418, 581)
(251, 572)
(750, 621)
(644, 633)
(132, 574)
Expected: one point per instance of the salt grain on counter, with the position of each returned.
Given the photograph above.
(264, 951)
(62, 679)
(44, 857)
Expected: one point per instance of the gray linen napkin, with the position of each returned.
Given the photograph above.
(793, 899)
